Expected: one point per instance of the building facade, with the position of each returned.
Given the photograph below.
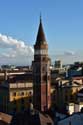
(66, 93)
(15, 94)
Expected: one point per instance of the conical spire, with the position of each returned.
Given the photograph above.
(40, 36)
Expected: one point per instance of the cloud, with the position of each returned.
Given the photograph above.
(7, 41)
(69, 53)
(67, 57)
(15, 51)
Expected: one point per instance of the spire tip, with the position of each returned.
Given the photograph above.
(40, 17)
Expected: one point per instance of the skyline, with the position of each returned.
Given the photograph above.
(62, 22)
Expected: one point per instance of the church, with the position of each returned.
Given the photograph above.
(41, 72)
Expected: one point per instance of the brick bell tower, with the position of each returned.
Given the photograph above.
(41, 72)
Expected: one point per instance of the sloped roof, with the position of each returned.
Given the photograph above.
(74, 119)
(81, 91)
(35, 118)
(5, 118)
(40, 36)
(72, 84)
(20, 78)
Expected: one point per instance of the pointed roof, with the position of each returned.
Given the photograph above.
(40, 36)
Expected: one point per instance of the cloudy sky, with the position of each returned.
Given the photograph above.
(63, 26)
(15, 51)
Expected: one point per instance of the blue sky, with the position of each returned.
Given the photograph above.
(62, 21)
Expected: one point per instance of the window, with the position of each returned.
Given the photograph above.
(30, 93)
(44, 59)
(14, 93)
(22, 93)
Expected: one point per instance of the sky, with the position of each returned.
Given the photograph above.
(63, 26)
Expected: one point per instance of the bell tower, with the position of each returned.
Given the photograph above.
(41, 72)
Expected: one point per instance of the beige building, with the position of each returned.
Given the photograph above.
(15, 93)
(65, 92)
